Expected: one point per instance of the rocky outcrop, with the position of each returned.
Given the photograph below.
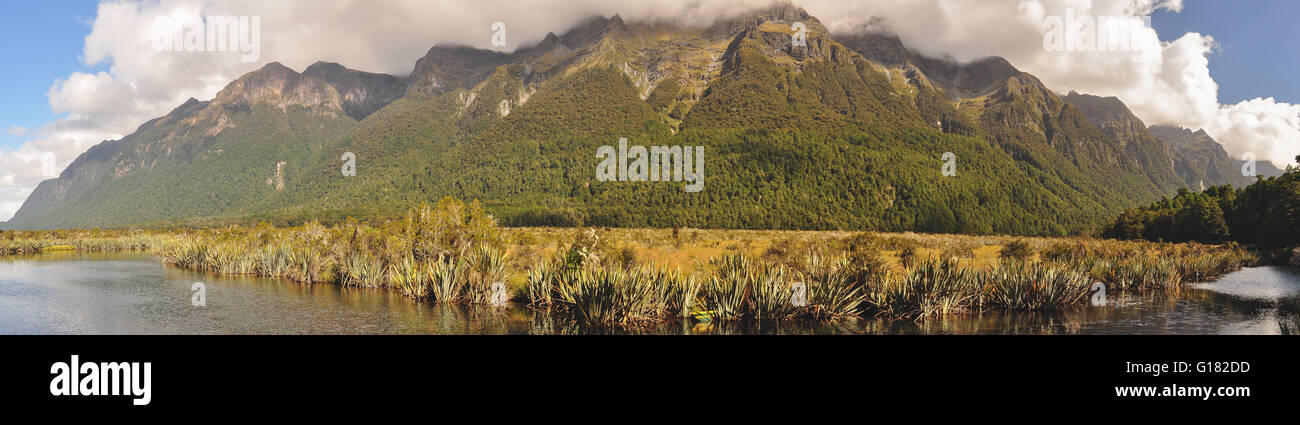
(362, 93)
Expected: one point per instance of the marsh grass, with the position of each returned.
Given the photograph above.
(453, 252)
(1018, 249)
(36, 242)
(932, 288)
(361, 269)
(486, 266)
(448, 279)
(1024, 286)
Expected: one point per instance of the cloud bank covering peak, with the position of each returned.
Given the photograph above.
(1164, 83)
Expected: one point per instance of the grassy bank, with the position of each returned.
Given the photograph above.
(26, 243)
(454, 252)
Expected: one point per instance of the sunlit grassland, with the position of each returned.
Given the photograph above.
(454, 252)
(692, 250)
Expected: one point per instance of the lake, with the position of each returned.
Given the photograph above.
(80, 293)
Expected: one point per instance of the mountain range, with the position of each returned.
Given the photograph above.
(847, 131)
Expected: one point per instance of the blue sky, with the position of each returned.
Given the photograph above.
(1258, 57)
(44, 39)
(1258, 54)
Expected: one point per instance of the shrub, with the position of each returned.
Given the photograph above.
(907, 257)
(1018, 249)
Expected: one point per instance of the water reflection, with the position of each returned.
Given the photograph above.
(134, 294)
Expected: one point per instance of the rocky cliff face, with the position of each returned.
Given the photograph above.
(1138, 146)
(362, 93)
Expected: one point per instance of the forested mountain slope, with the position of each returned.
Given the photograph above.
(845, 132)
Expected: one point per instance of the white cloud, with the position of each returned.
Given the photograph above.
(1169, 85)
(1262, 126)
(17, 130)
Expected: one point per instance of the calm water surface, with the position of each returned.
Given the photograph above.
(75, 293)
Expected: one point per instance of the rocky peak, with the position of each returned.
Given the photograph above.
(782, 12)
(188, 107)
(1107, 113)
(326, 71)
(592, 30)
(879, 47)
(1198, 156)
(1131, 135)
(363, 92)
(272, 76)
(280, 86)
(447, 68)
(531, 53)
(186, 110)
(969, 80)
(1179, 137)
(551, 41)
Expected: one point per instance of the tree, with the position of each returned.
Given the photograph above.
(1200, 219)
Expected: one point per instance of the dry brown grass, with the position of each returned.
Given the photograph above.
(692, 249)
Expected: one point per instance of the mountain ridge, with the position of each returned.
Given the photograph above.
(267, 147)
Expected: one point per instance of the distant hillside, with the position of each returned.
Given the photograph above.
(1202, 162)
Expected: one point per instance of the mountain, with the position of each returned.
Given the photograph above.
(1202, 162)
(211, 160)
(1268, 169)
(848, 131)
(1079, 151)
(1199, 159)
(1142, 151)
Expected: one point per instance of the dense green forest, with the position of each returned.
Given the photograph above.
(1265, 214)
(821, 168)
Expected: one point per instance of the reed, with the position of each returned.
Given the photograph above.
(836, 288)
(539, 285)
(771, 293)
(677, 292)
(932, 288)
(1024, 286)
(273, 260)
(448, 280)
(726, 293)
(613, 296)
(410, 278)
(307, 264)
(1138, 273)
(487, 266)
(361, 269)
